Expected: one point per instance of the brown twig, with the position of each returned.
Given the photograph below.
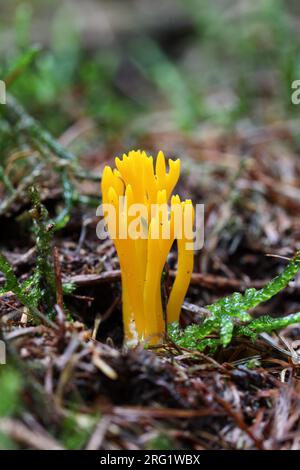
(21, 433)
(133, 412)
(210, 281)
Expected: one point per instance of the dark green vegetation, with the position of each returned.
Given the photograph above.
(235, 307)
(212, 86)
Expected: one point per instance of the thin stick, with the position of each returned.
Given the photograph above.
(210, 281)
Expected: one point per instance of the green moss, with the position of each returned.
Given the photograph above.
(43, 281)
(230, 311)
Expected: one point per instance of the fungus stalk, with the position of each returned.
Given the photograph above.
(143, 219)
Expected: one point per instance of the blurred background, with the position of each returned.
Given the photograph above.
(135, 65)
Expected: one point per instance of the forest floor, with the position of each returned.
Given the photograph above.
(79, 388)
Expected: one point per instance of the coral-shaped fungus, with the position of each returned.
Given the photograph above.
(143, 228)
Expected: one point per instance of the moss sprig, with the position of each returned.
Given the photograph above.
(229, 312)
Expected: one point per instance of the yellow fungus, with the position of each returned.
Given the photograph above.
(143, 230)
